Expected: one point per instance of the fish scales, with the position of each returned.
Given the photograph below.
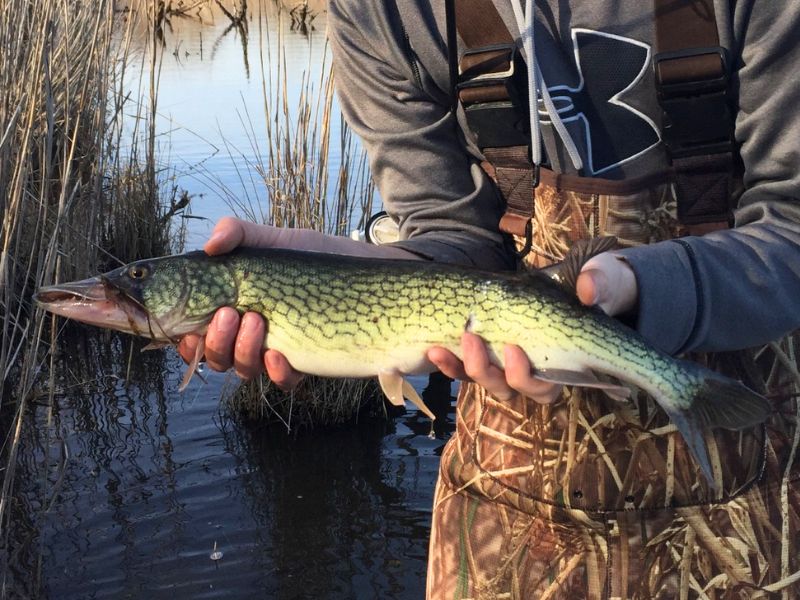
(440, 301)
(356, 317)
(367, 309)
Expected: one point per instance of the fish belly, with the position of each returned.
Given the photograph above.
(351, 360)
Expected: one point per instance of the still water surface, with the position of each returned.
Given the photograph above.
(213, 83)
(137, 484)
(126, 486)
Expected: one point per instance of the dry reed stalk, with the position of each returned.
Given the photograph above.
(63, 187)
(54, 86)
(298, 160)
(316, 402)
(302, 16)
(295, 166)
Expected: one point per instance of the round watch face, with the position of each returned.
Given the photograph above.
(381, 229)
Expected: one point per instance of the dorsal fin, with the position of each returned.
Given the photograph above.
(566, 272)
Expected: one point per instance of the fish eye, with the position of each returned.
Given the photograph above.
(138, 272)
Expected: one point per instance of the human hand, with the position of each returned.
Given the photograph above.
(608, 281)
(234, 341)
(605, 280)
(502, 384)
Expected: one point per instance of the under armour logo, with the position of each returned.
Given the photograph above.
(614, 132)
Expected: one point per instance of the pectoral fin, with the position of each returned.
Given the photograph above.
(411, 394)
(583, 379)
(396, 389)
(192, 368)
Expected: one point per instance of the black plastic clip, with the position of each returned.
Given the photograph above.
(526, 248)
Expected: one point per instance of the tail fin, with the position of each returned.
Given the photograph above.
(715, 402)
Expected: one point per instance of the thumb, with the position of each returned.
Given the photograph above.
(230, 233)
(609, 282)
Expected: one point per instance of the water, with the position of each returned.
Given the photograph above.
(214, 80)
(126, 487)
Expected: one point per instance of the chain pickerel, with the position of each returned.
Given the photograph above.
(344, 316)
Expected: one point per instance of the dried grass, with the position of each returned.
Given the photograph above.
(294, 166)
(315, 402)
(71, 202)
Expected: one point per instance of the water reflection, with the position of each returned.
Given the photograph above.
(218, 72)
(342, 514)
(126, 486)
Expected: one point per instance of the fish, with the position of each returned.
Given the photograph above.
(348, 316)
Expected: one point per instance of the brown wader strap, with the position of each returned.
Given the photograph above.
(512, 170)
(492, 91)
(692, 78)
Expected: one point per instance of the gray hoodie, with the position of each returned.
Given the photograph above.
(723, 291)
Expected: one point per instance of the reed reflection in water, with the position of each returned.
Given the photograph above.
(134, 485)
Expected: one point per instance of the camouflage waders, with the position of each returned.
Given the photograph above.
(591, 498)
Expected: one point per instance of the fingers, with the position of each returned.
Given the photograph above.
(227, 234)
(220, 339)
(588, 284)
(518, 376)
(480, 369)
(249, 346)
(239, 343)
(609, 282)
(235, 342)
(230, 233)
(280, 371)
(503, 385)
(187, 346)
(448, 363)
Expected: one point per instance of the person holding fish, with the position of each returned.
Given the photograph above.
(501, 132)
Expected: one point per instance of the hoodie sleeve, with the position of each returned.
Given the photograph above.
(740, 287)
(447, 208)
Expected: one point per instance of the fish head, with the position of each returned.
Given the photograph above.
(161, 299)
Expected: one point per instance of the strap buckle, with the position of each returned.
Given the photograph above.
(493, 91)
(487, 65)
(692, 87)
(691, 71)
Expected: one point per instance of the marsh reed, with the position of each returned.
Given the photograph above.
(294, 159)
(294, 154)
(76, 196)
(292, 162)
(76, 193)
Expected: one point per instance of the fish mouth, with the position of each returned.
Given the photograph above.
(86, 291)
(96, 301)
